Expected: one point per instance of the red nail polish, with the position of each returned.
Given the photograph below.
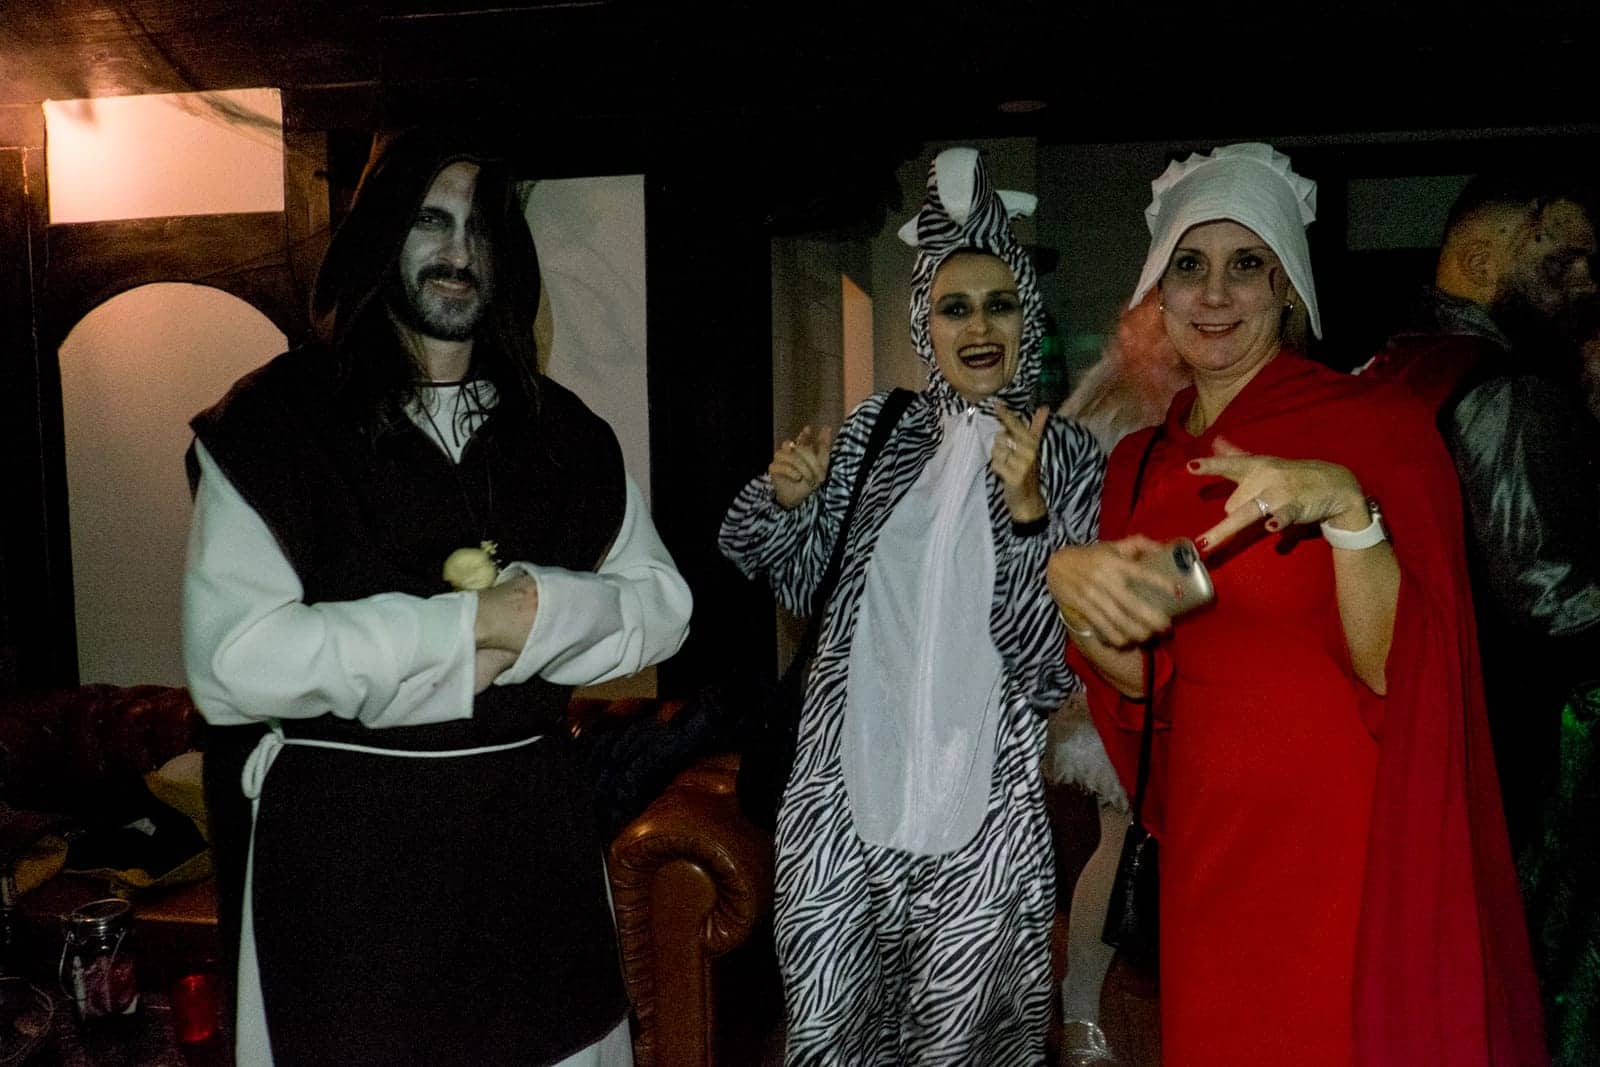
(1194, 464)
(1272, 525)
(1204, 542)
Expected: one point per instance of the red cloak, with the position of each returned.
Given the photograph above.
(1336, 882)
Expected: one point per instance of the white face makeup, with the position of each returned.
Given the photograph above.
(975, 324)
(446, 270)
(1223, 295)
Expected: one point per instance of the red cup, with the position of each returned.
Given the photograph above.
(197, 1007)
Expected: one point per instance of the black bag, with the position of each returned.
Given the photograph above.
(767, 755)
(1133, 925)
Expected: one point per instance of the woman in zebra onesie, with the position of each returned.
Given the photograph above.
(915, 880)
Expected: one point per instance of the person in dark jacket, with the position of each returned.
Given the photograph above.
(1487, 348)
(1499, 348)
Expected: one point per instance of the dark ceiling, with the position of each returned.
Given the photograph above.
(818, 102)
(1106, 70)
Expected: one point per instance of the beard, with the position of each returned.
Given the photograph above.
(438, 315)
(1529, 324)
(1547, 342)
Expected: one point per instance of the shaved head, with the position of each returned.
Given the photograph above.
(1519, 244)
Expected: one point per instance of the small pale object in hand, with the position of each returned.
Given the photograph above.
(1186, 583)
(472, 568)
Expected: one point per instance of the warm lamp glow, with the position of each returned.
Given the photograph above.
(130, 157)
(856, 318)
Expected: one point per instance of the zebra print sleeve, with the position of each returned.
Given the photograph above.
(1026, 627)
(790, 548)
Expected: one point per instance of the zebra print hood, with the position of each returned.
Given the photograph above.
(964, 212)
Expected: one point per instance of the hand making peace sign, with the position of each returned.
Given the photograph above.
(1283, 492)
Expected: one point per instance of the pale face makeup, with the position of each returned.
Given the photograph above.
(445, 267)
(975, 324)
(1223, 297)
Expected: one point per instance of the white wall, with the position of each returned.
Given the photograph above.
(856, 325)
(590, 233)
(133, 372)
(591, 239)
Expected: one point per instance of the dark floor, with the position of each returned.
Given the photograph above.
(1129, 1012)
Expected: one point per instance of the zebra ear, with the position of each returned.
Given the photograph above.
(957, 180)
(1018, 205)
(908, 232)
(956, 173)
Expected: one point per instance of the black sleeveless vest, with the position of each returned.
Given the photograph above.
(358, 515)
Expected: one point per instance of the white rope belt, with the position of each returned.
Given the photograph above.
(272, 743)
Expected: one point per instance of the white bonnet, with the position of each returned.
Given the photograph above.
(1251, 184)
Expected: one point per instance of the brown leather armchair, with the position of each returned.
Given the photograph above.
(60, 749)
(691, 880)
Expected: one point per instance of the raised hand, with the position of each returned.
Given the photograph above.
(1279, 492)
(1015, 461)
(799, 465)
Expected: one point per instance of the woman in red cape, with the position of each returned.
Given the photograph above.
(1336, 885)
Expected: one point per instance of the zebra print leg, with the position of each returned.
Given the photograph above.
(839, 997)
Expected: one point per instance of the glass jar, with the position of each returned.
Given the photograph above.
(97, 967)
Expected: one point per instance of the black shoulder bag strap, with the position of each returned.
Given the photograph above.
(894, 405)
(1133, 922)
(768, 756)
(1148, 732)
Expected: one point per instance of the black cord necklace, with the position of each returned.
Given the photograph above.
(466, 568)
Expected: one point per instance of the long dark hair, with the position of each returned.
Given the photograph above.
(376, 371)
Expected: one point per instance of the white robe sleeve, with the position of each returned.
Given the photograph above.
(253, 650)
(593, 626)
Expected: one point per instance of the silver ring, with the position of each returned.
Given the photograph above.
(1261, 505)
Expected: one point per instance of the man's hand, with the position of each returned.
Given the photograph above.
(490, 664)
(505, 615)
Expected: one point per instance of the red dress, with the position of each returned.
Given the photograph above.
(1336, 886)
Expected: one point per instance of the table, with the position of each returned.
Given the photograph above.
(142, 1040)
(175, 932)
